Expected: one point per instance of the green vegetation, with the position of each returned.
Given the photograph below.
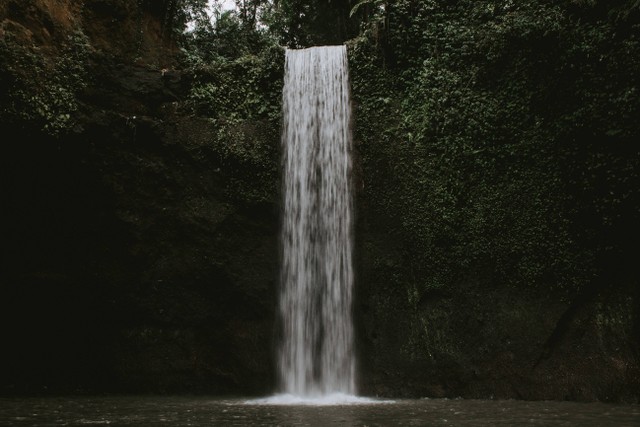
(236, 69)
(496, 138)
(500, 139)
(41, 92)
(242, 97)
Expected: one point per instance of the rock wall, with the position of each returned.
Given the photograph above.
(481, 339)
(131, 260)
(140, 236)
(497, 214)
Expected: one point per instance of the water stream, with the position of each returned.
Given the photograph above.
(316, 356)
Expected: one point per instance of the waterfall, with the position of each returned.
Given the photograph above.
(316, 356)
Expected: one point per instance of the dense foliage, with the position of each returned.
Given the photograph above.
(496, 138)
(499, 138)
(496, 169)
(235, 67)
(241, 96)
(38, 92)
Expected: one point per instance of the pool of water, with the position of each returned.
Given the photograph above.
(203, 411)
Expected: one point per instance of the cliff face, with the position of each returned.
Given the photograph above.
(498, 199)
(482, 340)
(132, 260)
(140, 235)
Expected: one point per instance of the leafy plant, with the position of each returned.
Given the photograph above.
(491, 136)
(40, 91)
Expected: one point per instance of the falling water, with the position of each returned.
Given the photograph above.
(316, 356)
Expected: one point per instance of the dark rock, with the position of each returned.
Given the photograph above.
(135, 257)
(127, 264)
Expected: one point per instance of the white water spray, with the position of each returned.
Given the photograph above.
(316, 356)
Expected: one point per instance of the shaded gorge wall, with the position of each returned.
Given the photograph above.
(496, 182)
(498, 200)
(140, 232)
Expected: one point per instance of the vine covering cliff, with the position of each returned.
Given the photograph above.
(496, 181)
(499, 197)
(140, 228)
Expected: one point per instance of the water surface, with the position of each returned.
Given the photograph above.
(203, 411)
